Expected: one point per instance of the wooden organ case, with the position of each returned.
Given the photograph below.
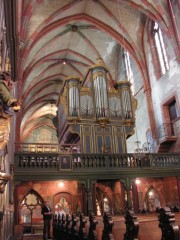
(95, 115)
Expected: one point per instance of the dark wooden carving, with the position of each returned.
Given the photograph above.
(55, 227)
(92, 235)
(74, 232)
(170, 231)
(132, 226)
(108, 226)
(82, 230)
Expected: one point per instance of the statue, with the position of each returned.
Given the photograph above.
(4, 127)
(5, 96)
(105, 149)
(7, 101)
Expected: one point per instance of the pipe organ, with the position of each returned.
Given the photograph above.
(92, 113)
(100, 92)
(73, 90)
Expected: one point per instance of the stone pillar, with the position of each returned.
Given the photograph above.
(84, 198)
(90, 199)
(16, 203)
(127, 186)
(178, 187)
(135, 197)
(94, 199)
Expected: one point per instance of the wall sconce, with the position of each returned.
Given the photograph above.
(61, 184)
(150, 193)
(137, 181)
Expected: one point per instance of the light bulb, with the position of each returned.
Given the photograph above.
(137, 181)
(61, 184)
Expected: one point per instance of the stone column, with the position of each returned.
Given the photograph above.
(16, 203)
(135, 197)
(84, 198)
(90, 199)
(127, 186)
(178, 187)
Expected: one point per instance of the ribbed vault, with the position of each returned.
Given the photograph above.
(62, 38)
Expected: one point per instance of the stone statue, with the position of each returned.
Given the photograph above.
(5, 96)
(7, 101)
(4, 127)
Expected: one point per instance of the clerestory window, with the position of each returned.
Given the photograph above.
(128, 69)
(160, 47)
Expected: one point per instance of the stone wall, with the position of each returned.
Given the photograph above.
(162, 90)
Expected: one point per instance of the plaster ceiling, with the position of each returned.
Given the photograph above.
(75, 32)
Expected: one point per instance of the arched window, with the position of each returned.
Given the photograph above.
(125, 71)
(152, 201)
(102, 202)
(128, 69)
(160, 48)
(30, 208)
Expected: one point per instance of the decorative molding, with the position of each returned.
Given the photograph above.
(4, 178)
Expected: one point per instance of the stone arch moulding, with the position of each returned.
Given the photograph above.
(159, 194)
(31, 191)
(67, 195)
(105, 191)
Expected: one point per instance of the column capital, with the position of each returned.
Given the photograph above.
(88, 183)
(127, 183)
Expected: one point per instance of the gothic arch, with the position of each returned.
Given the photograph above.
(103, 190)
(157, 193)
(69, 201)
(29, 208)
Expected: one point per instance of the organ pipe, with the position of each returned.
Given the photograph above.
(124, 90)
(99, 76)
(73, 97)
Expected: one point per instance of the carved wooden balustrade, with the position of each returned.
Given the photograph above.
(85, 161)
(46, 148)
(29, 164)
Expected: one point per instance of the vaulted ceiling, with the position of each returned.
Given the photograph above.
(58, 38)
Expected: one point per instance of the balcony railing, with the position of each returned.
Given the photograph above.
(46, 148)
(77, 161)
(166, 130)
